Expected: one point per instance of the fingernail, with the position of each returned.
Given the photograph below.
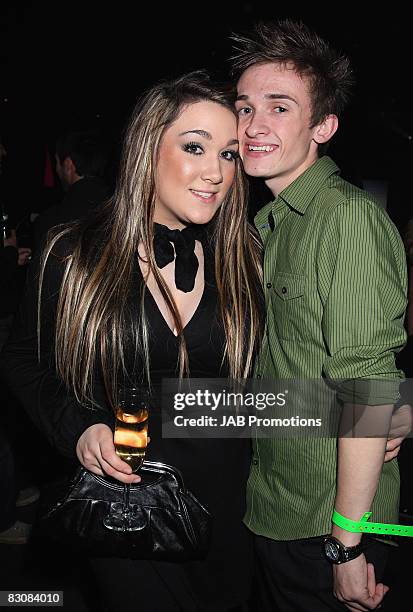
(136, 480)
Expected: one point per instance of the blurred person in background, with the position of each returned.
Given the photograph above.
(12, 258)
(81, 161)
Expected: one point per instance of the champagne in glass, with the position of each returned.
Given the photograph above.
(131, 437)
(131, 428)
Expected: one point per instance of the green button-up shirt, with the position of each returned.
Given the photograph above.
(336, 291)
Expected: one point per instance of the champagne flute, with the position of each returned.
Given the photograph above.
(130, 440)
(131, 428)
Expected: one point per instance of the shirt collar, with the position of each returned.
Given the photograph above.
(301, 192)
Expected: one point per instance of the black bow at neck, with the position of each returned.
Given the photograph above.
(186, 262)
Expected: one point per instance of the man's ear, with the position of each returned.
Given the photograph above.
(325, 130)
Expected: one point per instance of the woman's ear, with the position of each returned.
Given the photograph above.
(325, 130)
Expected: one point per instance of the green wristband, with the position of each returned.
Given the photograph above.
(363, 526)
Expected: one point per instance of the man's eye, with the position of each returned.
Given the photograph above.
(230, 155)
(245, 110)
(193, 147)
(280, 109)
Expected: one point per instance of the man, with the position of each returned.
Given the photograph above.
(81, 159)
(335, 279)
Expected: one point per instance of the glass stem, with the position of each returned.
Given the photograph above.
(126, 492)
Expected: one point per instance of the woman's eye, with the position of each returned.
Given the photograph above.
(193, 147)
(230, 155)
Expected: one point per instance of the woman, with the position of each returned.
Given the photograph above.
(116, 305)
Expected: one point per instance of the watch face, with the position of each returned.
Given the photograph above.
(331, 550)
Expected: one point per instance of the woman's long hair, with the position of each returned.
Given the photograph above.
(92, 322)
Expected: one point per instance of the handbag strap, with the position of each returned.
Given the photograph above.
(162, 468)
(156, 467)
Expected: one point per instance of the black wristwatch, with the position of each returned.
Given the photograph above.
(337, 553)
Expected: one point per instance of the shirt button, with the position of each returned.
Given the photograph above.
(259, 375)
(269, 285)
(284, 290)
(255, 461)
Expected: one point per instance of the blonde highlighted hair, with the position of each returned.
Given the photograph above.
(91, 320)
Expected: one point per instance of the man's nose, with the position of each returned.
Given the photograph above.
(257, 126)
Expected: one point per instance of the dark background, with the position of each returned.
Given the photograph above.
(83, 64)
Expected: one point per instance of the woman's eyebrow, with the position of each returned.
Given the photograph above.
(199, 132)
(208, 136)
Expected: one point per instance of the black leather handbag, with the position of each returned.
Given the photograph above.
(156, 519)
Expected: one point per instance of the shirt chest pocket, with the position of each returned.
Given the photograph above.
(288, 305)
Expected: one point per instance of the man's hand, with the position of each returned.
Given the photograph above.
(401, 426)
(355, 585)
(96, 452)
(24, 255)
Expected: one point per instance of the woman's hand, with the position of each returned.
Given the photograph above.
(96, 452)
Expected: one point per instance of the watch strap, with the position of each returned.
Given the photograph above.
(364, 526)
(347, 553)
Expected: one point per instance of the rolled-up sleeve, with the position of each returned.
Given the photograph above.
(362, 281)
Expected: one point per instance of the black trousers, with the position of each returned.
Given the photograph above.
(294, 576)
(7, 485)
(126, 585)
(7, 466)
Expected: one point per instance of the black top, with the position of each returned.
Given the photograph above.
(79, 200)
(216, 470)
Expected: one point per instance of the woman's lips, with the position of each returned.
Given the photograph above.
(204, 196)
